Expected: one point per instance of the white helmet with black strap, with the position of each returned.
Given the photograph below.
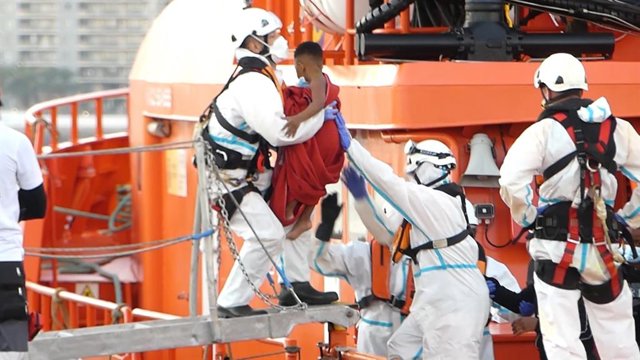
(431, 152)
(561, 72)
(254, 22)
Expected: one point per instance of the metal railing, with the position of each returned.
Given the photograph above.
(43, 116)
(61, 309)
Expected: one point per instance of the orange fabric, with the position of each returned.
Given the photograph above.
(303, 170)
(401, 241)
(380, 270)
(380, 273)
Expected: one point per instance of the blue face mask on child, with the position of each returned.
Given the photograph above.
(302, 82)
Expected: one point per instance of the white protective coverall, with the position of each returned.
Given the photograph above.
(538, 147)
(352, 263)
(451, 303)
(252, 103)
(407, 342)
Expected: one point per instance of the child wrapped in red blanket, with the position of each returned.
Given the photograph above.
(303, 170)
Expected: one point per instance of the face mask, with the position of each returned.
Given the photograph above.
(427, 173)
(302, 82)
(279, 51)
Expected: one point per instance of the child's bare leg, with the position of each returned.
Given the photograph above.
(291, 207)
(303, 224)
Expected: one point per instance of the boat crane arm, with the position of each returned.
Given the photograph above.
(262, 110)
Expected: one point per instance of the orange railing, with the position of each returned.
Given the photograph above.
(36, 122)
(62, 309)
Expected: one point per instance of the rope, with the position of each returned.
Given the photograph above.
(601, 213)
(122, 150)
(158, 245)
(57, 303)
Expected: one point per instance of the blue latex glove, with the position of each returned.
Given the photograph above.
(526, 308)
(345, 136)
(620, 219)
(330, 112)
(354, 182)
(491, 284)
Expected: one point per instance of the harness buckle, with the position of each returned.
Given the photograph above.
(590, 168)
(396, 302)
(439, 243)
(573, 241)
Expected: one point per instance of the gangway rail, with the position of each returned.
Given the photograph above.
(182, 332)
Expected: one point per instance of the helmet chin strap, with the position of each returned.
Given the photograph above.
(265, 46)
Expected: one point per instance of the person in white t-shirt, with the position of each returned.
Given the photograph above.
(22, 197)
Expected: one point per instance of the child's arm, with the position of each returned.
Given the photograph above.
(503, 296)
(318, 96)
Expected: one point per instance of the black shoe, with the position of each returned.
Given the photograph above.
(307, 294)
(238, 311)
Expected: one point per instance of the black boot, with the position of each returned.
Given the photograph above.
(238, 311)
(307, 294)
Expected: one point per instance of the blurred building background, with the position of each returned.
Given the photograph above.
(51, 48)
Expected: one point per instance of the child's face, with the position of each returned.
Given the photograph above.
(300, 66)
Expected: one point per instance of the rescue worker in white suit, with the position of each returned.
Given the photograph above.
(379, 318)
(451, 303)
(577, 145)
(406, 343)
(244, 119)
(22, 197)
(296, 258)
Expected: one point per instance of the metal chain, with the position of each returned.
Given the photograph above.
(216, 195)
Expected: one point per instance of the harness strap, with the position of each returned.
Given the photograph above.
(607, 258)
(437, 244)
(393, 301)
(569, 250)
(237, 194)
(250, 138)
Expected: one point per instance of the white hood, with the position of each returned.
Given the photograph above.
(597, 112)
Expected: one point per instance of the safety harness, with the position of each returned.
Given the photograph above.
(402, 243)
(591, 221)
(228, 159)
(380, 277)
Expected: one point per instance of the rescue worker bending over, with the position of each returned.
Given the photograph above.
(22, 197)
(577, 145)
(451, 304)
(381, 289)
(406, 343)
(245, 118)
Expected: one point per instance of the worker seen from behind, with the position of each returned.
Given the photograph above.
(244, 120)
(22, 197)
(451, 304)
(577, 145)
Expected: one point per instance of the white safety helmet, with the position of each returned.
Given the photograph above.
(254, 21)
(560, 72)
(431, 151)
